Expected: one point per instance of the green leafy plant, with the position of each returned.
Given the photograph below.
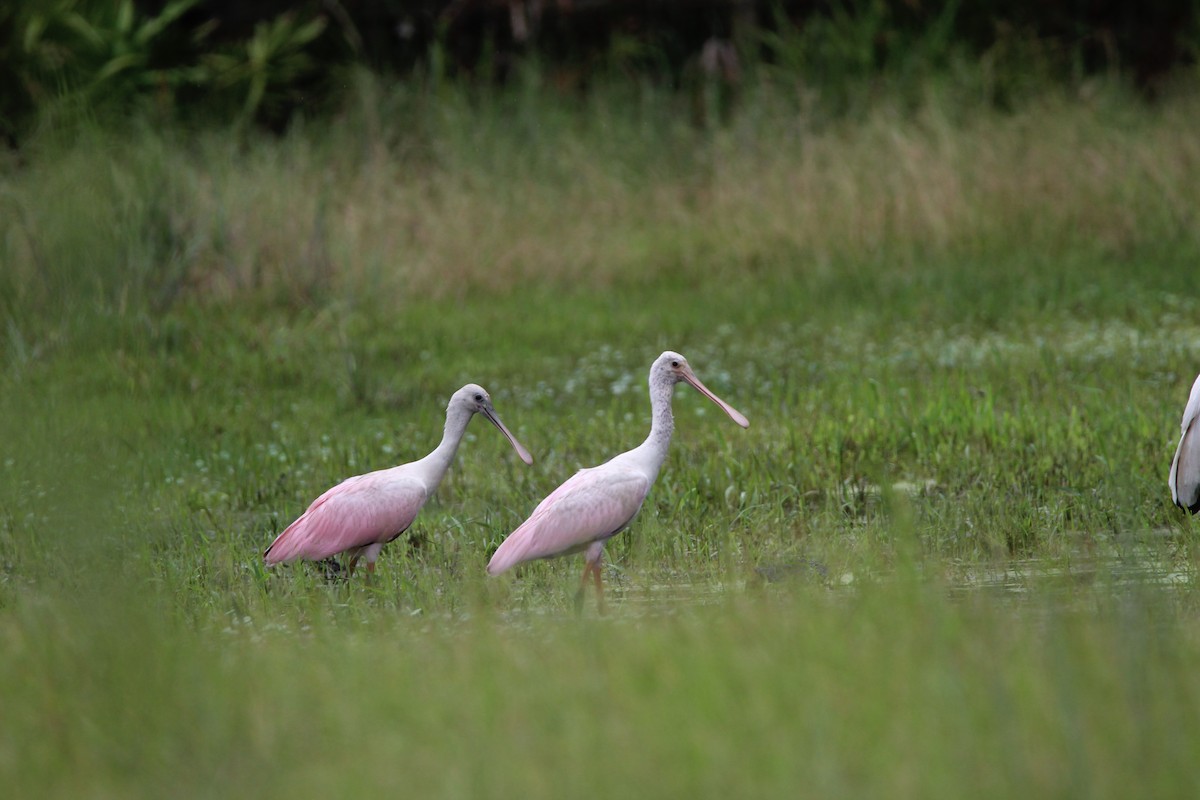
(87, 57)
(93, 55)
(267, 70)
(119, 51)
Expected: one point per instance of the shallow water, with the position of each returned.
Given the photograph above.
(1141, 566)
(1080, 575)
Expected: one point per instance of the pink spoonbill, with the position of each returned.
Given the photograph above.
(1184, 479)
(362, 514)
(595, 504)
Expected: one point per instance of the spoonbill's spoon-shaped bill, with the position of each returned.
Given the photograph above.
(595, 504)
(362, 514)
(1184, 479)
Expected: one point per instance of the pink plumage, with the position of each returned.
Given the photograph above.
(364, 510)
(595, 504)
(362, 514)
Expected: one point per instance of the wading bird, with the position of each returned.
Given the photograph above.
(1184, 479)
(595, 504)
(362, 514)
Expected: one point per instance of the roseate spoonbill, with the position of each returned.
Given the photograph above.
(1184, 479)
(362, 514)
(595, 504)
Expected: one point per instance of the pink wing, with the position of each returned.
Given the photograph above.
(362, 510)
(593, 504)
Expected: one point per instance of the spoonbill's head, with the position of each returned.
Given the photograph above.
(474, 399)
(672, 368)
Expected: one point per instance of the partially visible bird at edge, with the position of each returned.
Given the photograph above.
(362, 514)
(1184, 479)
(595, 504)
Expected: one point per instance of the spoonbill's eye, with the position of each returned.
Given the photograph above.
(675, 364)
(478, 398)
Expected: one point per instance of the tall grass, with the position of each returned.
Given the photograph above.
(412, 195)
(941, 561)
(889, 690)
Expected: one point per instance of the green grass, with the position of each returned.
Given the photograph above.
(942, 561)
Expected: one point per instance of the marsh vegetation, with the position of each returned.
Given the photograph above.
(942, 561)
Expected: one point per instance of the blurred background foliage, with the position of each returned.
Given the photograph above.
(265, 62)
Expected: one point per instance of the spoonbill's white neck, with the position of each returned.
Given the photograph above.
(653, 452)
(432, 468)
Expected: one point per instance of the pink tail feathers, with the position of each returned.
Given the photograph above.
(510, 553)
(284, 548)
